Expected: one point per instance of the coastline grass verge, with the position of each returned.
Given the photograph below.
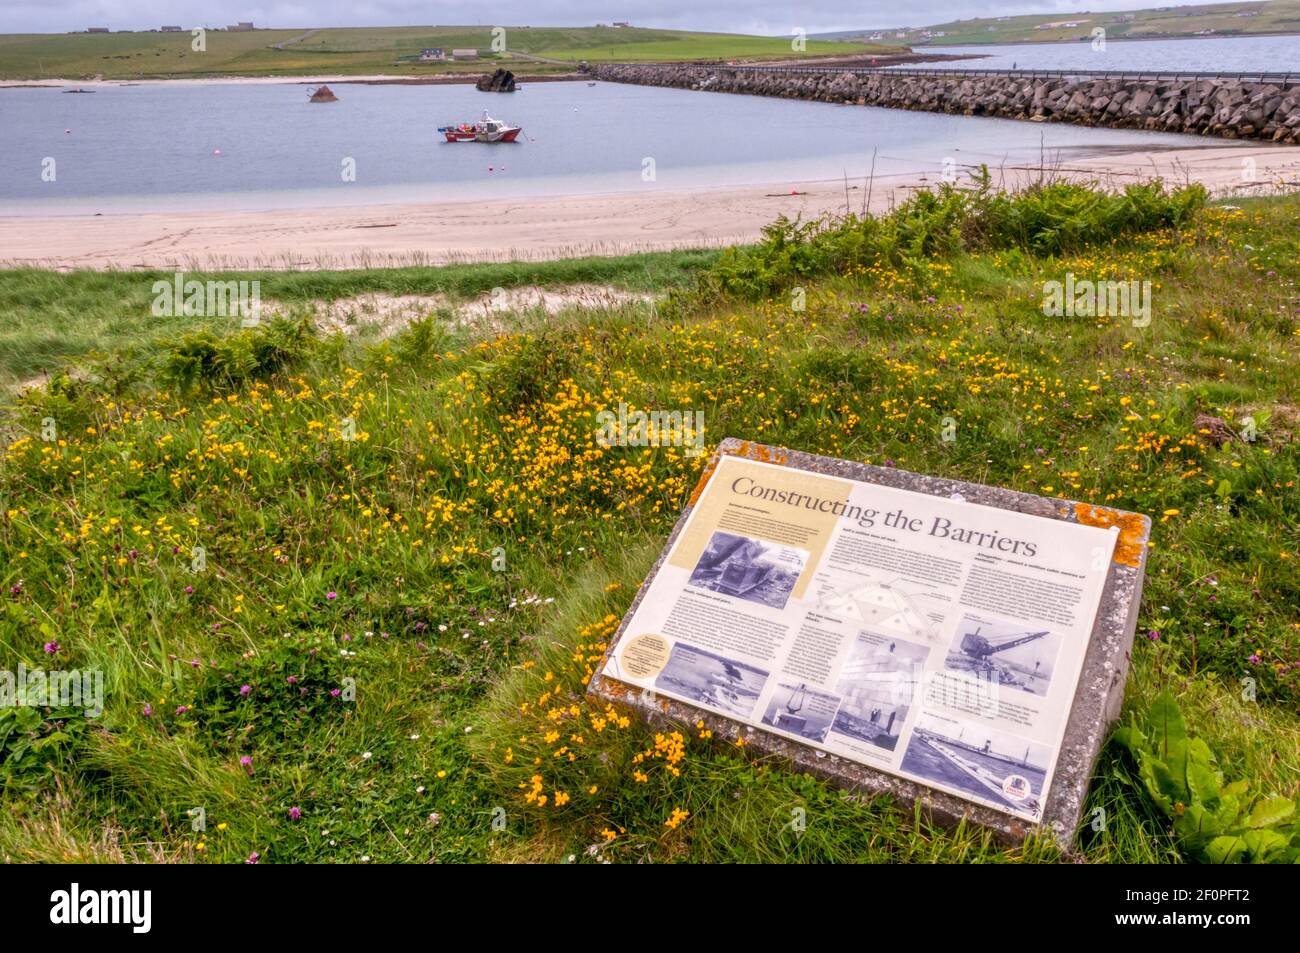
(426, 526)
(49, 318)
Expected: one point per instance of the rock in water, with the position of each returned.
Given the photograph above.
(324, 95)
(501, 81)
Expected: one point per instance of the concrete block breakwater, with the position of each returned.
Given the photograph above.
(1233, 108)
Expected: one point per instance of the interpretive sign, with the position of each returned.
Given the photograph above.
(957, 643)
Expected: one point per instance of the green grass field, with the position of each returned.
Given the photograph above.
(279, 546)
(47, 318)
(370, 50)
(1227, 19)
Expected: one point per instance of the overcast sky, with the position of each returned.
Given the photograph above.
(738, 16)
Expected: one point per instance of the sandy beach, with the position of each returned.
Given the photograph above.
(554, 227)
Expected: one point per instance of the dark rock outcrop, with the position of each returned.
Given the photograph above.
(324, 95)
(500, 81)
(1230, 108)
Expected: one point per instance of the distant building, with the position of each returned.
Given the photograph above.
(96, 29)
(621, 23)
(243, 26)
(433, 53)
(464, 54)
(170, 29)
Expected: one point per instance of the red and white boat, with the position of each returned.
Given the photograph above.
(486, 129)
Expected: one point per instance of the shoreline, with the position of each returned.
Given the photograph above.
(548, 227)
(373, 79)
(450, 78)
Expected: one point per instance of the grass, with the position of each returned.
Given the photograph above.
(460, 731)
(47, 318)
(370, 50)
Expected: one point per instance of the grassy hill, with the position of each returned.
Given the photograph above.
(1224, 19)
(388, 50)
(352, 673)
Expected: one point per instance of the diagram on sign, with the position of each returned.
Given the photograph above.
(892, 606)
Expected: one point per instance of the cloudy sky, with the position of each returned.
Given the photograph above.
(740, 16)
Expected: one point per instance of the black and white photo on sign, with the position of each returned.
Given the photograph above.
(1010, 655)
(999, 767)
(878, 684)
(712, 681)
(749, 569)
(798, 709)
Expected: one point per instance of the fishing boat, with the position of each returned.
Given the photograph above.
(486, 129)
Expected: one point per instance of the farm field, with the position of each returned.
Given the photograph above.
(369, 50)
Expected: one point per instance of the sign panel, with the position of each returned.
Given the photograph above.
(928, 637)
